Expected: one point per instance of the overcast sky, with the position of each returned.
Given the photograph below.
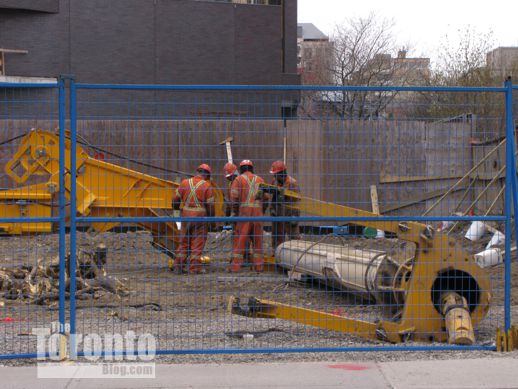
(421, 23)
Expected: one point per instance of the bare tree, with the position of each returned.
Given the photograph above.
(361, 55)
(462, 59)
(462, 62)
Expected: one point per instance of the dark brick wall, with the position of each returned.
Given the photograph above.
(43, 35)
(151, 41)
(31, 5)
(112, 41)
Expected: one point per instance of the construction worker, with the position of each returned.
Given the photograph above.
(231, 174)
(197, 196)
(282, 229)
(247, 201)
(230, 171)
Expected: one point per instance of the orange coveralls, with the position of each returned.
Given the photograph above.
(281, 229)
(244, 191)
(228, 212)
(195, 193)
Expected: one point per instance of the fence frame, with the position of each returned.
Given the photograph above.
(61, 218)
(511, 203)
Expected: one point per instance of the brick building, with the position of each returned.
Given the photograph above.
(503, 62)
(153, 41)
(314, 55)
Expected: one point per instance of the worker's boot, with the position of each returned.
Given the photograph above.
(258, 263)
(196, 267)
(247, 257)
(235, 265)
(178, 266)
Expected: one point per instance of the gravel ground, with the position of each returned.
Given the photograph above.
(189, 312)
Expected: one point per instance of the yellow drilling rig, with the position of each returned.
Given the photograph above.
(437, 295)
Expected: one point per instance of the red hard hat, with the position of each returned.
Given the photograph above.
(229, 169)
(277, 167)
(246, 162)
(206, 167)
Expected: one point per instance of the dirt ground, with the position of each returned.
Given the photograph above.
(189, 312)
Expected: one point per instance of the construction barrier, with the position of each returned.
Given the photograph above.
(394, 230)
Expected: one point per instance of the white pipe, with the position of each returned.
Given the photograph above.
(342, 266)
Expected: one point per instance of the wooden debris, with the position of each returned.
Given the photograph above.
(39, 284)
(389, 179)
(374, 200)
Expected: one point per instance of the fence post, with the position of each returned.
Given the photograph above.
(62, 204)
(513, 166)
(73, 208)
(510, 178)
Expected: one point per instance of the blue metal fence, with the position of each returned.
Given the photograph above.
(48, 105)
(188, 315)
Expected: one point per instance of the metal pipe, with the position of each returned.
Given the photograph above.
(372, 273)
(62, 205)
(510, 182)
(457, 319)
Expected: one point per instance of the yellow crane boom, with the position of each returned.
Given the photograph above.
(103, 190)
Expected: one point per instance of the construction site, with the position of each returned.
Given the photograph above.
(227, 212)
(407, 245)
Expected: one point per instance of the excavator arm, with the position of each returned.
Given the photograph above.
(103, 190)
(440, 293)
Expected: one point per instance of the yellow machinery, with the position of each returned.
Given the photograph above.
(103, 190)
(438, 295)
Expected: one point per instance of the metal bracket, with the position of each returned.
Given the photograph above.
(507, 341)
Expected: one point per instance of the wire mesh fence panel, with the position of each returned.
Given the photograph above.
(29, 217)
(257, 219)
(352, 217)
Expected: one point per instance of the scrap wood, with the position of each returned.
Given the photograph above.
(495, 201)
(477, 199)
(417, 199)
(391, 179)
(256, 334)
(39, 284)
(468, 174)
(374, 200)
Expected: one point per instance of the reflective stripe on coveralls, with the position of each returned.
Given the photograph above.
(192, 196)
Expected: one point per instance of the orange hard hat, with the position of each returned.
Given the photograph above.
(229, 169)
(205, 167)
(277, 167)
(246, 162)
